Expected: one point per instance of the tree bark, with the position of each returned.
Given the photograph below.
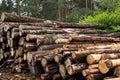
(92, 38)
(95, 58)
(7, 17)
(87, 72)
(76, 68)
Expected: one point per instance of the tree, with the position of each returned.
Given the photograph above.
(18, 7)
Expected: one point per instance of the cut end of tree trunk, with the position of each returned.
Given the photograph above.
(93, 58)
(43, 62)
(103, 67)
(70, 70)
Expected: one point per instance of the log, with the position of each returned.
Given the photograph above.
(82, 54)
(76, 68)
(92, 38)
(7, 17)
(86, 72)
(21, 41)
(93, 66)
(95, 58)
(50, 46)
(90, 31)
(73, 25)
(26, 27)
(112, 78)
(69, 61)
(49, 59)
(62, 71)
(15, 33)
(57, 77)
(52, 69)
(62, 41)
(117, 71)
(30, 46)
(61, 50)
(10, 25)
(59, 58)
(46, 77)
(95, 77)
(24, 32)
(112, 63)
(12, 52)
(104, 46)
(45, 41)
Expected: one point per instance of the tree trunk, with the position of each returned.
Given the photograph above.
(95, 58)
(76, 68)
(7, 17)
(87, 72)
(117, 71)
(18, 7)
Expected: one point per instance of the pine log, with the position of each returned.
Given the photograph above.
(62, 71)
(62, 41)
(95, 77)
(10, 25)
(37, 56)
(61, 50)
(21, 41)
(57, 77)
(67, 53)
(50, 46)
(74, 25)
(59, 58)
(93, 66)
(24, 32)
(30, 46)
(12, 52)
(77, 45)
(91, 31)
(76, 68)
(46, 77)
(86, 72)
(30, 37)
(95, 58)
(45, 41)
(112, 63)
(26, 27)
(7, 17)
(69, 61)
(104, 46)
(112, 78)
(15, 33)
(49, 59)
(40, 54)
(52, 69)
(82, 54)
(92, 38)
(117, 71)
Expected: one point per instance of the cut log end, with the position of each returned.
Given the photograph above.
(117, 71)
(70, 70)
(93, 58)
(62, 71)
(103, 67)
(43, 62)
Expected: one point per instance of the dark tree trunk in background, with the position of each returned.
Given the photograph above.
(86, 4)
(18, 7)
(3, 5)
(38, 6)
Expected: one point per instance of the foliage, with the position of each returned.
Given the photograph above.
(78, 14)
(106, 20)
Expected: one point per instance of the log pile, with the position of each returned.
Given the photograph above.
(58, 50)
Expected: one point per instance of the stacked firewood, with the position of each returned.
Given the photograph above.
(58, 50)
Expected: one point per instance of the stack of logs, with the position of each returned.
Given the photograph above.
(57, 50)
